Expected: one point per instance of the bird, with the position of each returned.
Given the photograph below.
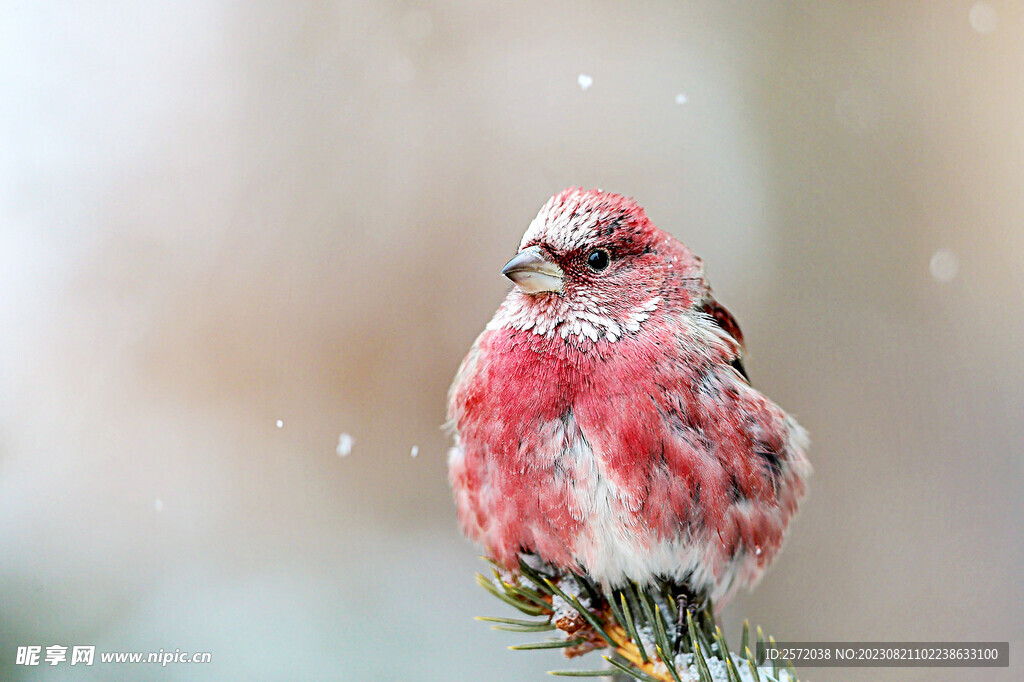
(604, 422)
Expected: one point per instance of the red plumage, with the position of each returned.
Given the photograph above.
(603, 420)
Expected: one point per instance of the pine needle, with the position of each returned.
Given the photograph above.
(616, 620)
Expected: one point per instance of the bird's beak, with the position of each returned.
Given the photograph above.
(533, 273)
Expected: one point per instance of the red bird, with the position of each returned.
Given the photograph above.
(604, 422)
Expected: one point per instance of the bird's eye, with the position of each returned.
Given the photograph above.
(598, 259)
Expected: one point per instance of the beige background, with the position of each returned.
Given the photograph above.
(219, 215)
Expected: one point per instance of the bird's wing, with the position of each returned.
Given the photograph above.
(727, 323)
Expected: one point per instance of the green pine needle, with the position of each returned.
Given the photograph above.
(630, 626)
(550, 644)
(525, 608)
(539, 627)
(698, 653)
(631, 671)
(661, 634)
(626, 611)
(670, 664)
(511, 621)
(751, 664)
(582, 673)
(775, 661)
(534, 577)
(526, 594)
(723, 649)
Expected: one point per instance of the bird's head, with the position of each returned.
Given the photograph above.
(592, 265)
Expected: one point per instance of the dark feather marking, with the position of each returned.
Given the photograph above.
(771, 459)
(707, 387)
(737, 365)
(724, 319)
(736, 493)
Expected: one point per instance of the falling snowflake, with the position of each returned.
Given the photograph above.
(345, 443)
(585, 81)
(944, 265)
(681, 98)
(983, 17)
(415, 450)
(280, 424)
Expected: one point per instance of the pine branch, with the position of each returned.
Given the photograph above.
(644, 628)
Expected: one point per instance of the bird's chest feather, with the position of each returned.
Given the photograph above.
(568, 453)
(567, 439)
(545, 403)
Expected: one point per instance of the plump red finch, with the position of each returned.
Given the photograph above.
(604, 422)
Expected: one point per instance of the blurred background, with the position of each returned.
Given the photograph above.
(232, 232)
